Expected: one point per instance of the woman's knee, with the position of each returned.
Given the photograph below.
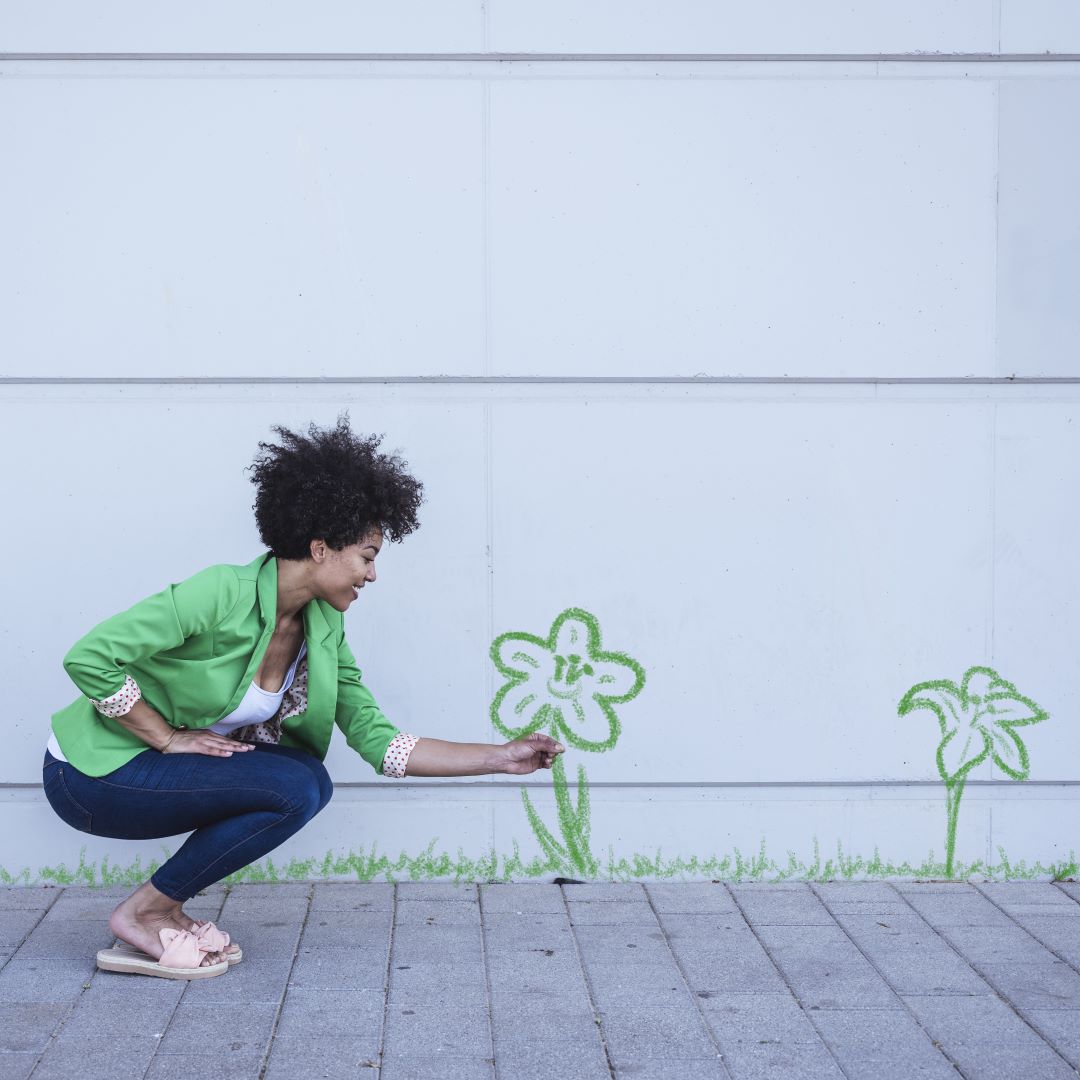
(308, 790)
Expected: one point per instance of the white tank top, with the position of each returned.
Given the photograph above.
(256, 707)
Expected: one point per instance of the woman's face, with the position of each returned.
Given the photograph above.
(341, 575)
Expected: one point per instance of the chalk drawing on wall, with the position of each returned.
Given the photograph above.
(567, 685)
(977, 719)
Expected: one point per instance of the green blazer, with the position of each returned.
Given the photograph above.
(194, 648)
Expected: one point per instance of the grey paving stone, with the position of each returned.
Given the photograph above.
(739, 1020)
(534, 971)
(534, 1034)
(264, 940)
(284, 890)
(875, 1043)
(691, 898)
(721, 943)
(996, 944)
(346, 929)
(899, 906)
(289, 909)
(558, 1059)
(538, 1010)
(776, 1060)
(436, 890)
(69, 907)
(826, 971)
(633, 1033)
(17, 1066)
(945, 888)
(673, 1069)
(111, 990)
(313, 1014)
(444, 1067)
(1047, 985)
(339, 969)
(875, 924)
(810, 939)
(427, 1029)
(219, 1028)
(640, 942)
(36, 979)
(432, 944)
(614, 986)
(233, 1065)
(250, 980)
(783, 908)
(986, 1039)
(1070, 888)
(959, 909)
(352, 896)
(748, 974)
(29, 1026)
(1025, 894)
(442, 983)
(622, 892)
(612, 912)
(16, 925)
(862, 892)
(436, 913)
(1061, 1028)
(913, 965)
(95, 1018)
(1060, 935)
(118, 1058)
(341, 1057)
(767, 886)
(703, 928)
(522, 899)
(523, 933)
(27, 896)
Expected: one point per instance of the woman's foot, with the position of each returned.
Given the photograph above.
(138, 919)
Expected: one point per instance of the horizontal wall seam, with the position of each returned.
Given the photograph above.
(541, 380)
(482, 785)
(500, 57)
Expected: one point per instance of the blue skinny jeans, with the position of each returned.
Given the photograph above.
(240, 807)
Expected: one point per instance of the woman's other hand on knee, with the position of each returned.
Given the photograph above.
(204, 742)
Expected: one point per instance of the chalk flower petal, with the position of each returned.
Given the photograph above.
(588, 723)
(519, 710)
(523, 655)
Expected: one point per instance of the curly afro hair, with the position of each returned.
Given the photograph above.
(332, 485)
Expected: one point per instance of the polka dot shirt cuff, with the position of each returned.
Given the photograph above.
(397, 754)
(121, 702)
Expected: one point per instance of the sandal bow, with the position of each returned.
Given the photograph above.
(210, 938)
(183, 949)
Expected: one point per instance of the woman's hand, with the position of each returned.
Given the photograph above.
(203, 742)
(535, 751)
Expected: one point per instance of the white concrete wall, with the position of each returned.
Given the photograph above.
(638, 324)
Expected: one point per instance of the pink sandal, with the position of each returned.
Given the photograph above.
(210, 937)
(182, 958)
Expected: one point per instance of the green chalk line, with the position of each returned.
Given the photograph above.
(429, 865)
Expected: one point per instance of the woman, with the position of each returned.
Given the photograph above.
(208, 707)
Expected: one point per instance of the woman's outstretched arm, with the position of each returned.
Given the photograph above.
(438, 757)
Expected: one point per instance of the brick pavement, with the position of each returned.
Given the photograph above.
(695, 981)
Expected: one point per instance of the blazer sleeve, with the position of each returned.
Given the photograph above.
(97, 662)
(365, 727)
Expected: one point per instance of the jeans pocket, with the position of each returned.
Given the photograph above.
(67, 807)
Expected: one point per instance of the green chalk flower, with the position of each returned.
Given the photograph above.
(976, 719)
(564, 683)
